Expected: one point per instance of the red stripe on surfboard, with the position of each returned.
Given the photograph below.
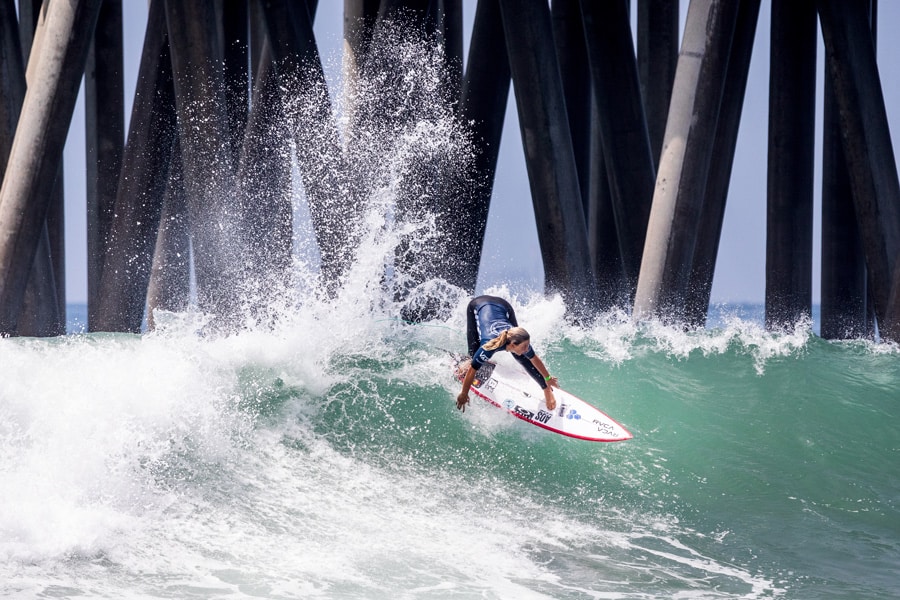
(559, 431)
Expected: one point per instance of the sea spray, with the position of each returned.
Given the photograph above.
(406, 160)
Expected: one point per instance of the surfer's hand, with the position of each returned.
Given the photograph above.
(549, 398)
(461, 401)
(553, 382)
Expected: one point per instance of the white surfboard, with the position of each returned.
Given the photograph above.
(509, 387)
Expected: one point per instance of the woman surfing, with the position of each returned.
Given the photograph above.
(491, 326)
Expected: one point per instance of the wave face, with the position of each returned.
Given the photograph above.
(325, 458)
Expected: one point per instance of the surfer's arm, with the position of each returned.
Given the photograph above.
(549, 381)
(463, 397)
(544, 371)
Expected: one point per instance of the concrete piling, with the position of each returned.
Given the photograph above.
(845, 308)
(39, 314)
(568, 33)
(792, 110)
(850, 57)
(706, 248)
(104, 106)
(141, 186)
(322, 167)
(218, 100)
(485, 91)
(37, 147)
(663, 287)
(209, 177)
(623, 127)
(549, 157)
(169, 284)
(657, 56)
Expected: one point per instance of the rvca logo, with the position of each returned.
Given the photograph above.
(604, 428)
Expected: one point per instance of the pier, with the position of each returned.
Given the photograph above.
(629, 135)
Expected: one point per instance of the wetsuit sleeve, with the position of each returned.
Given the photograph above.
(525, 361)
(480, 357)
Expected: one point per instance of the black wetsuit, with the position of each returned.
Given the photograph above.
(486, 318)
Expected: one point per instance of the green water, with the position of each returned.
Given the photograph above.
(326, 459)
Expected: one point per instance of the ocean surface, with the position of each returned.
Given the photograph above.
(324, 458)
(316, 451)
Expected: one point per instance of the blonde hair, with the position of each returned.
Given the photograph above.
(514, 335)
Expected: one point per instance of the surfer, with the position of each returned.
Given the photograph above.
(491, 326)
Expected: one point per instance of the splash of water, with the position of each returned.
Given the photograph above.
(405, 159)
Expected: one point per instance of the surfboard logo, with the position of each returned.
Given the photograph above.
(524, 413)
(509, 404)
(543, 416)
(605, 428)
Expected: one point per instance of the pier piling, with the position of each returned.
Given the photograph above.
(792, 110)
(629, 154)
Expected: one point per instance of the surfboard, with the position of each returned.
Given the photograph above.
(509, 387)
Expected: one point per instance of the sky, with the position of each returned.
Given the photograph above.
(511, 253)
